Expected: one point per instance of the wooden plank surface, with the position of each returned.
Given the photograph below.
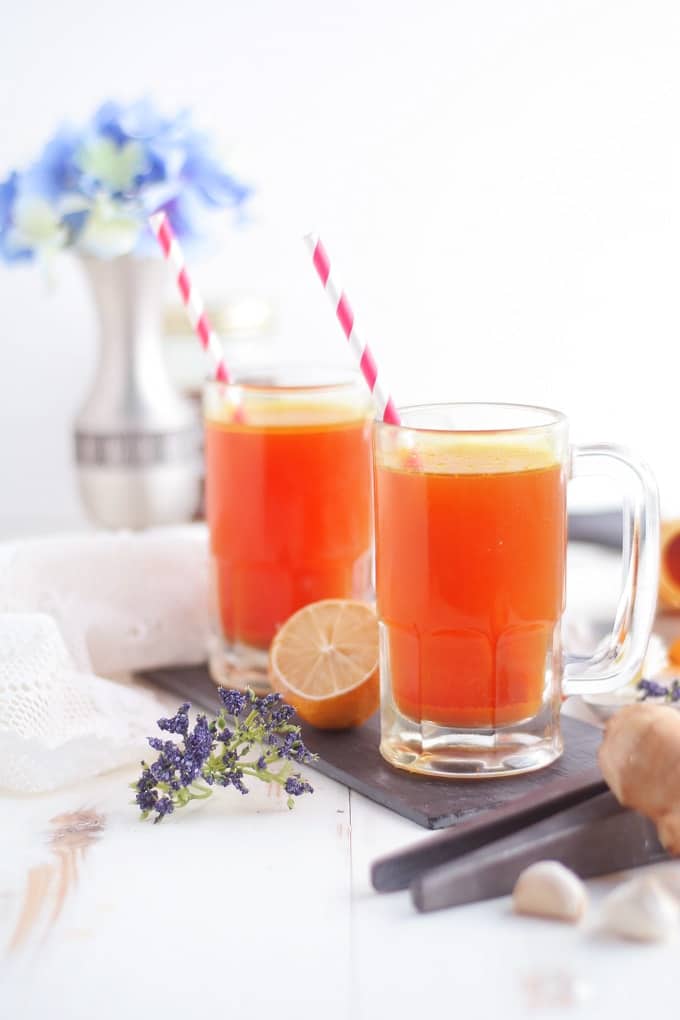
(236, 901)
(236, 904)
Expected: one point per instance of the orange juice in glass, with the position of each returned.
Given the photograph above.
(289, 508)
(471, 529)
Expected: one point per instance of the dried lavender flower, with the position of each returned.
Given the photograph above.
(179, 723)
(654, 689)
(216, 753)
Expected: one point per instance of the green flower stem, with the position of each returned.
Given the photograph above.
(202, 794)
(279, 777)
(203, 753)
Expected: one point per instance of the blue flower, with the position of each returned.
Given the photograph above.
(233, 700)
(236, 778)
(110, 228)
(109, 167)
(36, 227)
(216, 187)
(147, 795)
(652, 689)
(163, 807)
(94, 188)
(188, 218)
(8, 195)
(55, 173)
(178, 723)
(136, 120)
(199, 743)
(296, 786)
(146, 799)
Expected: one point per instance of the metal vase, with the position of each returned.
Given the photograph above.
(137, 439)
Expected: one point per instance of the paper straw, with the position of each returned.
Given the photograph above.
(386, 411)
(191, 299)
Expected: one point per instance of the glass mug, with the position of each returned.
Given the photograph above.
(288, 503)
(471, 536)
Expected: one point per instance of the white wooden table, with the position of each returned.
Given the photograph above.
(236, 906)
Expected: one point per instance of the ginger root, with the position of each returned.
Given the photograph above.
(640, 761)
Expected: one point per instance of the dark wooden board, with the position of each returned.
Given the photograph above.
(352, 757)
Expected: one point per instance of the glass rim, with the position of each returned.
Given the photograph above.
(256, 380)
(552, 418)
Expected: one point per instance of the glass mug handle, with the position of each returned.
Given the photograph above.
(617, 659)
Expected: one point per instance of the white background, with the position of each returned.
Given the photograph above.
(498, 183)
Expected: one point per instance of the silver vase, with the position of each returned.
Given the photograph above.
(137, 440)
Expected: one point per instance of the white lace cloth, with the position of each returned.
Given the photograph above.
(74, 610)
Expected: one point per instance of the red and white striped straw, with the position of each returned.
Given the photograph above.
(192, 300)
(386, 411)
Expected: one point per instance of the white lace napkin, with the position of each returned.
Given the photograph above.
(74, 610)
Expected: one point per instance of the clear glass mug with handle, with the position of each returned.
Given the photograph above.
(471, 533)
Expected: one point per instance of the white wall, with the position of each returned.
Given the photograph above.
(499, 182)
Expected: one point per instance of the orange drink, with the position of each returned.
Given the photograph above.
(470, 571)
(288, 498)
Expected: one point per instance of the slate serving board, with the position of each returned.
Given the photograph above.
(352, 757)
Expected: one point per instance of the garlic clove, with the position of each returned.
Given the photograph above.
(668, 877)
(640, 909)
(548, 889)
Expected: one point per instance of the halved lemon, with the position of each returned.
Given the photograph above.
(324, 661)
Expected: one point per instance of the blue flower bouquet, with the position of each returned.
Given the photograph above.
(93, 189)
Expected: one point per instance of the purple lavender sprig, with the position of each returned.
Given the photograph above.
(217, 753)
(653, 689)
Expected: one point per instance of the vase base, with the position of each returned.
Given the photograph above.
(140, 497)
